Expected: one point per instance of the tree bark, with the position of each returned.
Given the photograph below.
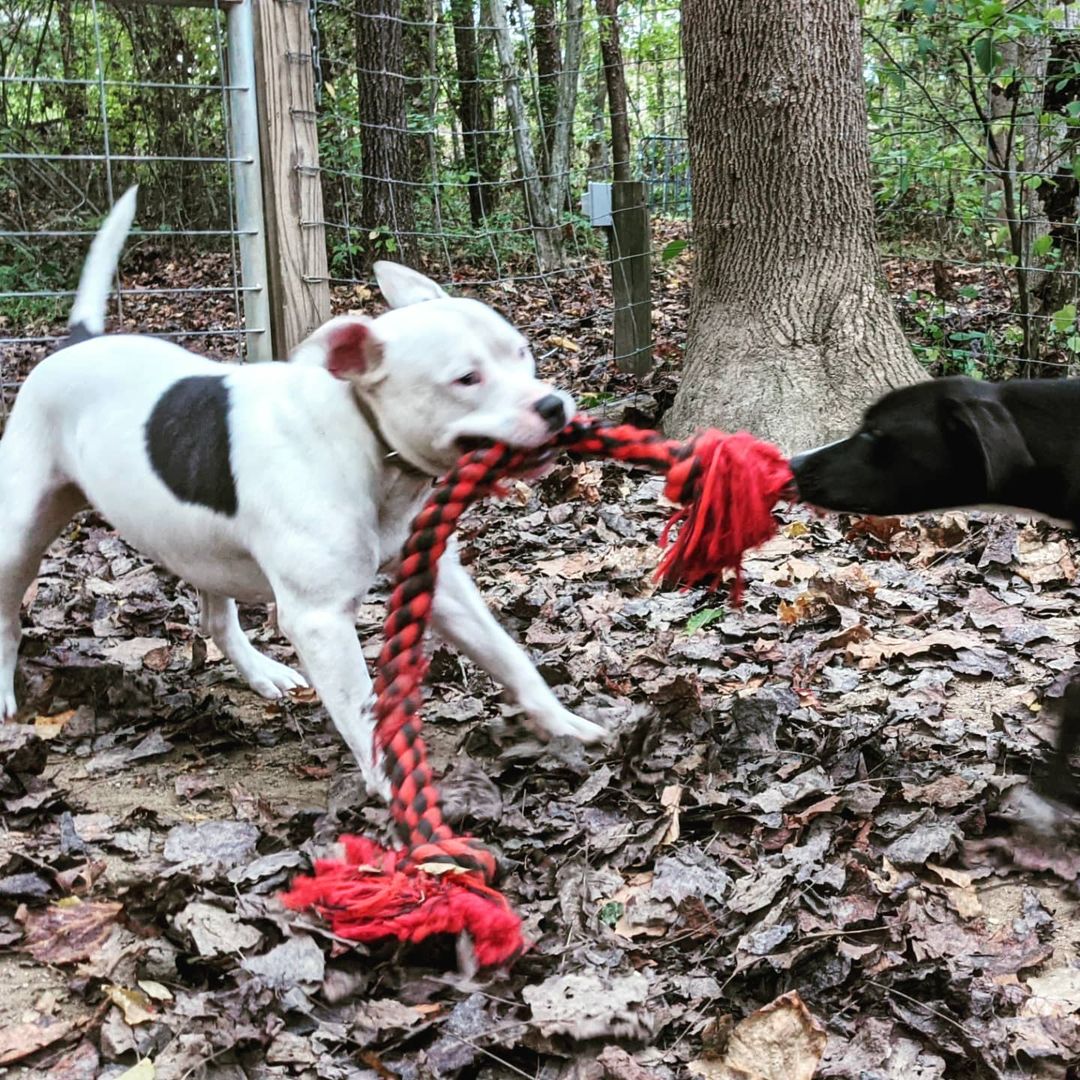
(546, 48)
(791, 334)
(475, 111)
(386, 199)
(615, 77)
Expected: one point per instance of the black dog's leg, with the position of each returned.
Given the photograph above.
(1058, 781)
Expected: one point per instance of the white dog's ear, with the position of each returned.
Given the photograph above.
(348, 347)
(402, 286)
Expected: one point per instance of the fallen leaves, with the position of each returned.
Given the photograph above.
(18, 1041)
(591, 1006)
(809, 791)
(71, 930)
(781, 1041)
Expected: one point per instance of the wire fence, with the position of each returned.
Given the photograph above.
(460, 135)
(93, 98)
(973, 128)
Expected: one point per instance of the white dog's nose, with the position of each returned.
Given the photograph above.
(552, 409)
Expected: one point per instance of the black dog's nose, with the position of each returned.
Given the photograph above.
(553, 411)
(799, 460)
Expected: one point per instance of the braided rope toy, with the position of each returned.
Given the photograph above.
(438, 882)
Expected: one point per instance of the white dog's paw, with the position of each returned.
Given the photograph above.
(552, 724)
(375, 780)
(8, 706)
(272, 680)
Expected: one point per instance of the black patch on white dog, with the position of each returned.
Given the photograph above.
(76, 335)
(187, 439)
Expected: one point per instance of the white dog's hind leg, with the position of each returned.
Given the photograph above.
(33, 510)
(267, 677)
(330, 651)
(462, 618)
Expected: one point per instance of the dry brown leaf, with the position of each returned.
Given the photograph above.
(48, 727)
(1056, 993)
(872, 652)
(20, 1040)
(70, 931)
(781, 1041)
(134, 1004)
(563, 343)
(670, 800)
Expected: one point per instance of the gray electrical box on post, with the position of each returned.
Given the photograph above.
(596, 205)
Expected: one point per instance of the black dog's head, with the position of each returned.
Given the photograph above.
(950, 442)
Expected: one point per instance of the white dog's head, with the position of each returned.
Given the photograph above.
(441, 375)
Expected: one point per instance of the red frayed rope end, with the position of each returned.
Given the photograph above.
(374, 894)
(728, 486)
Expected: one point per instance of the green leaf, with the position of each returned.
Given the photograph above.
(1042, 245)
(1072, 342)
(700, 619)
(1064, 318)
(674, 249)
(611, 912)
(985, 55)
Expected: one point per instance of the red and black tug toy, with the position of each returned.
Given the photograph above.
(440, 883)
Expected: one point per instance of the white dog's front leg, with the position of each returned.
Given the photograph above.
(462, 618)
(330, 652)
(267, 677)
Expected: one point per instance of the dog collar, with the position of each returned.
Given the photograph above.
(392, 457)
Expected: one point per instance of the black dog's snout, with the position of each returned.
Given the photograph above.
(799, 460)
(552, 410)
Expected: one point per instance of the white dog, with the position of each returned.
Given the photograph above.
(290, 482)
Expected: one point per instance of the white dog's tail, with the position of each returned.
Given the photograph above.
(87, 317)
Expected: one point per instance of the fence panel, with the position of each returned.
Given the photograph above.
(95, 97)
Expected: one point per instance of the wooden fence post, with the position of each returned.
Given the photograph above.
(631, 264)
(292, 182)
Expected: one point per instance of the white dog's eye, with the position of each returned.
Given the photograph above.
(470, 378)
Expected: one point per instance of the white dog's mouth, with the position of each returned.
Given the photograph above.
(468, 443)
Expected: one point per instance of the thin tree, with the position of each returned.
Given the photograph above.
(476, 113)
(548, 53)
(544, 195)
(386, 194)
(791, 334)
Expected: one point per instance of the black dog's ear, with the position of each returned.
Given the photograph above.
(1004, 452)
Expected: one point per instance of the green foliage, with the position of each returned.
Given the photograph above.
(700, 619)
(974, 109)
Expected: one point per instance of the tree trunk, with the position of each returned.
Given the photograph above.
(561, 132)
(549, 252)
(386, 201)
(791, 334)
(615, 76)
(470, 108)
(548, 65)
(599, 150)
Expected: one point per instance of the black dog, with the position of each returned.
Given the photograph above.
(959, 442)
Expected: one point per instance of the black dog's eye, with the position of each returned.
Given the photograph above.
(470, 378)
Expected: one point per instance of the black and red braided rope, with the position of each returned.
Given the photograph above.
(402, 664)
(439, 881)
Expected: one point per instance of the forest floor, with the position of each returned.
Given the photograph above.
(813, 805)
